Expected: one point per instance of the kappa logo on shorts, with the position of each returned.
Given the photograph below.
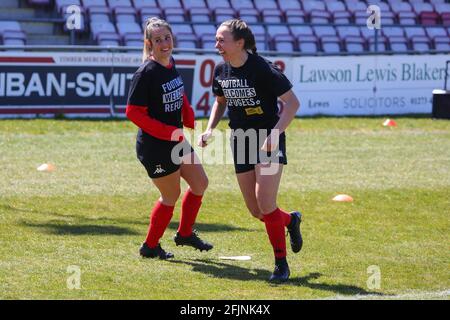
(280, 154)
(159, 170)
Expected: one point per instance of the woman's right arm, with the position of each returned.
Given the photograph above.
(217, 111)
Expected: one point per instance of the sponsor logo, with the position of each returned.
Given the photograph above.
(159, 170)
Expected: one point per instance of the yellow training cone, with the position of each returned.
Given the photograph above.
(343, 198)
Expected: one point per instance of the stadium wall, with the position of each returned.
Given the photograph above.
(96, 84)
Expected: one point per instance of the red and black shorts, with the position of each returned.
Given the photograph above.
(246, 148)
(160, 157)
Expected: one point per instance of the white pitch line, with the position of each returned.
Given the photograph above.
(412, 295)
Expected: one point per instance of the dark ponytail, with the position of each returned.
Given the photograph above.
(240, 30)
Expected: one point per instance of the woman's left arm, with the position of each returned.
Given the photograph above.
(291, 106)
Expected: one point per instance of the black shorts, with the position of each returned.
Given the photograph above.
(246, 148)
(156, 154)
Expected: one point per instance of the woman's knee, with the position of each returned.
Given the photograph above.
(171, 197)
(265, 204)
(200, 186)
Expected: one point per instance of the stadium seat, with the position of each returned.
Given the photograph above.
(275, 30)
(284, 43)
(320, 31)
(181, 28)
(272, 16)
(285, 6)
(164, 4)
(354, 44)
(99, 14)
(301, 31)
(319, 16)
(266, 4)
(61, 5)
(108, 39)
(208, 41)
(393, 32)
(295, 16)
(214, 4)
(429, 18)
(442, 43)
(433, 32)
(101, 27)
(189, 4)
(173, 14)
(133, 39)
(112, 4)
(356, 5)
(398, 44)
(223, 14)
(407, 18)
(369, 36)
(87, 4)
(124, 28)
(249, 15)
(140, 4)
(414, 31)
(186, 40)
(13, 37)
(338, 11)
(442, 7)
(148, 12)
(307, 44)
(420, 43)
(241, 4)
(351, 31)
(124, 14)
(445, 18)
(330, 44)
(259, 32)
(201, 29)
(310, 5)
(198, 14)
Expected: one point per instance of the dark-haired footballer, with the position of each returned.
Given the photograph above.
(158, 105)
(249, 86)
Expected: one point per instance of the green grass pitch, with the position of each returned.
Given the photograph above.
(92, 213)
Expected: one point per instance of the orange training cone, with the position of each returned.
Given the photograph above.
(343, 198)
(46, 167)
(389, 123)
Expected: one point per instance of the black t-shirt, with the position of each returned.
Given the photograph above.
(160, 89)
(251, 92)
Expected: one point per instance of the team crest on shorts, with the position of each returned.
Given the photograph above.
(159, 170)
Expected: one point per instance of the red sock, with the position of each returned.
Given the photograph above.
(190, 206)
(286, 218)
(159, 220)
(275, 229)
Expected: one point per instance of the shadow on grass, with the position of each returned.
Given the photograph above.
(82, 221)
(233, 272)
(224, 270)
(210, 227)
(80, 229)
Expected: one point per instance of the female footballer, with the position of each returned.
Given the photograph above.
(158, 105)
(249, 86)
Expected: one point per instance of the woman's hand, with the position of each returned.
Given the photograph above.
(271, 142)
(204, 138)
